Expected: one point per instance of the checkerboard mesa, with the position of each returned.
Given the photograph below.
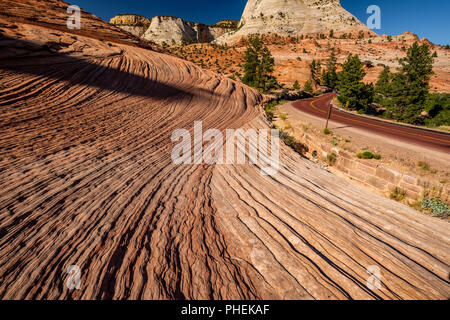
(294, 17)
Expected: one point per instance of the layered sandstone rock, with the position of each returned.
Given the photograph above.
(293, 17)
(87, 179)
(53, 14)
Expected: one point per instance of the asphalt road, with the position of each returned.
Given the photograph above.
(319, 107)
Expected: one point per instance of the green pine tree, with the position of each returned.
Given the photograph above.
(353, 93)
(329, 77)
(316, 71)
(259, 66)
(252, 62)
(308, 87)
(383, 86)
(417, 68)
(438, 108)
(296, 85)
(405, 93)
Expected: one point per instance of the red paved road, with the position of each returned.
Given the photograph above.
(319, 107)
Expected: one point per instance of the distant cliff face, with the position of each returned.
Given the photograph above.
(283, 17)
(293, 17)
(172, 30)
(168, 29)
(134, 24)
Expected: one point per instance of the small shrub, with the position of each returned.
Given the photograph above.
(283, 116)
(306, 127)
(425, 166)
(334, 141)
(368, 155)
(331, 158)
(398, 194)
(436, 206)
(269, 109)
(291, 142)
(327, 131)
(377, 156)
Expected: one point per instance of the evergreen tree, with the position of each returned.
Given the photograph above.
(296, 85)
(266, 69)
(383, 86)
(438, 108)
(396, 103)
(252, 62)
(417, 68)
(308, 87)
(316, 71)
(329, 77)
(405, 93)
(354, 93)
(259, 66)
(324, 77)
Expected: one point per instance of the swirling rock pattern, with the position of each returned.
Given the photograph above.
(86, 179)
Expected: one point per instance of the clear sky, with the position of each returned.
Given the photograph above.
(429, 19)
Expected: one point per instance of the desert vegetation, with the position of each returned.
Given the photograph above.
(259, 66)
(406, 93)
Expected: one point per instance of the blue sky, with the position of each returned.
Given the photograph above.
(428, 19)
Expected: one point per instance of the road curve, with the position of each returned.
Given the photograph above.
(319, 107)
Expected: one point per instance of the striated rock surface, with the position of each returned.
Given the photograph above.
(294, 17)
(53, 14)
(87, 179)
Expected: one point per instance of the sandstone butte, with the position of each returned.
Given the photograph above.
(293, 17)
(87, 180)
(171, 30)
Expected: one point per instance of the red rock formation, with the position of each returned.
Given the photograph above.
(87, 179)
